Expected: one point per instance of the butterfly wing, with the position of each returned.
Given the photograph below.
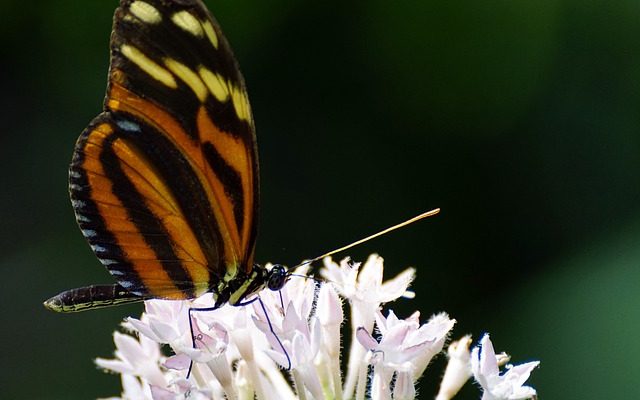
(164, 182)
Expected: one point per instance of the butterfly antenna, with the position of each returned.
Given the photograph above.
(375, 235)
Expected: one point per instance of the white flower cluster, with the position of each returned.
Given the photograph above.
(239, 350)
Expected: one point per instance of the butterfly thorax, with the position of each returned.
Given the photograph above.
(242, 287)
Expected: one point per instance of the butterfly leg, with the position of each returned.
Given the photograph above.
(266, 315)
(193, 337)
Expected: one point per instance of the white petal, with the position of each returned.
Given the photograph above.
(145, 329)
(366, 340)
(404, 389)
(397, 286)
(329, 306)
(114, 366)
(458, 369)
(488, 361)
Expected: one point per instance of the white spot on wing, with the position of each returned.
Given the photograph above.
(89, 233)
(74, 174)
(79, 204)
(128, 126)
(97, 248)
(125, 284)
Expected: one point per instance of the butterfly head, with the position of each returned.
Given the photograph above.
(276, 277)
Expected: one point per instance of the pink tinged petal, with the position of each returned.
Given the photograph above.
(221, 369)
(329, 306)
(303, 364)
(435, 329)
(218, 332)
(366, 340)
(383, 323)
(145, 329)
(404, 389)
(310, 382)
(522, 372)
(394, 337)
(132, 388)
(381, 383)
(301, 353)
(293, 322)
(198, 355)
(262, 324)
(434, 332)
(414, 318)
(164, 329)
(223, 316)
(150, 347)
(484, 365)
(412, 353)
(207, 343)
(279, 357)
(396, 287)
(391, 321)
(183, 385)
(330, 316)
(159, 393)
(488, 361)
(261, 320)
(244, 343)
(274, 340)
(316, 335)
(128, 349)
(168, 310)
(178, 362)
(114, 366)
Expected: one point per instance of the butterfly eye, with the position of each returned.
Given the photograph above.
(277, 277)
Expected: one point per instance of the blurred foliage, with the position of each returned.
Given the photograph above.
(519, 119)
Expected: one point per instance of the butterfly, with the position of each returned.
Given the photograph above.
(164, 182)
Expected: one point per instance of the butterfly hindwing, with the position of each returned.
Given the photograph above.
(164, 182)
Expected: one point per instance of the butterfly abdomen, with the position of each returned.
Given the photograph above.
(90, 297)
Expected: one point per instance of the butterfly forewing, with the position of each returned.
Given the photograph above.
(164, 182)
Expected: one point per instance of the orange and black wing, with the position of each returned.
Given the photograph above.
(164, 182)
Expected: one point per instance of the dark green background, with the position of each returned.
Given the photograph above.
(520, 119)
